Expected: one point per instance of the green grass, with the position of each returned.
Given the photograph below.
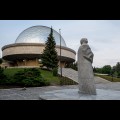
(67, 81)
(11, 71)
(48, 75)
(109, 78)
(45, 74)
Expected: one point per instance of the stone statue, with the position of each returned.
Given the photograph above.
(85, 70)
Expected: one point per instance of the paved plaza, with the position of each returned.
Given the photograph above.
(106, 91)
(72, 94)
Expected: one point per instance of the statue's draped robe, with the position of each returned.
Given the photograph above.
(85, 70)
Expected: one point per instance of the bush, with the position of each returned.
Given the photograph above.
(34, 82)
(1, 72)
(55, 71)
(30, 77)
(73, 66)
(2, 76)
(118, 75)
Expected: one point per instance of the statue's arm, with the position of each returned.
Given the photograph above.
(87, 53)
(88, 58)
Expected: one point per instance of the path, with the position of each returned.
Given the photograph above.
(72, 74)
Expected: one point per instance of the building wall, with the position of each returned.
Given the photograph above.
(14, 49)
(28, 63)
(35, 50)
(4, 64)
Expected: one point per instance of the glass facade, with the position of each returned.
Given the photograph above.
(38, 34)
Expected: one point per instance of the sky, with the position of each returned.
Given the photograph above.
(103, 36)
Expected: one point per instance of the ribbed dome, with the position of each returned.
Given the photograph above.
(38, 34)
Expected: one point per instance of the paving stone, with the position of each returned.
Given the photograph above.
(72, 94)
(32, 93)
(73, 74)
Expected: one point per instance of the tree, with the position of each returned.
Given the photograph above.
(114, 69)
(72, 65)
(106, 69)
(94, 70)
(49, 57)
(118, 67)
(98, 70)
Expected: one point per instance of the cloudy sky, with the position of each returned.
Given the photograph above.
(103, 36)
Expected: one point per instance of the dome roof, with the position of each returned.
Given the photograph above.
(38, 34)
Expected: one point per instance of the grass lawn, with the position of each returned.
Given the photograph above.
(47, 75)
(54, 80)
(11, 71)
(109, 78)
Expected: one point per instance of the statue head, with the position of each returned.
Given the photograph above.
(83, 40)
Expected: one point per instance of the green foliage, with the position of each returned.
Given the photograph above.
(29, 77)
(115, 74)
(98, 70)
(55, 71)
(67, 81)
(1, 60)
(73, 66)
(49, 57)
(47, 75)
(118, 75)
(117, 68)
(1, 71)
(94, 70)
(106, 69)
(2, 76)
(113, 69)
(109, 78)
(16, 77)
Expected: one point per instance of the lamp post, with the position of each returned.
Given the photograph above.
(60, 54)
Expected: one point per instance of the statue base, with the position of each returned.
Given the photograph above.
(72, 94)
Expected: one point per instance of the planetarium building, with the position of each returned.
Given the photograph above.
(29, 46)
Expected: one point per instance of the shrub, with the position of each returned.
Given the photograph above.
(2, 76)
(55, 71)
(118, 75)
(30, 77)
(34, 81)
(1, 72)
